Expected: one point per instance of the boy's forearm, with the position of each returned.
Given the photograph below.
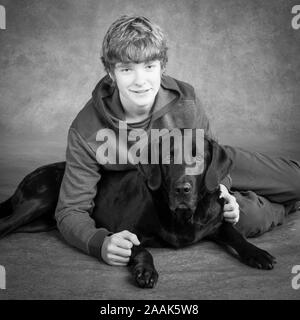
(79, 230)
(76, 198)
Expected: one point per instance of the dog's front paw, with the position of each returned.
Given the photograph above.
(258, 258)
(145, 276)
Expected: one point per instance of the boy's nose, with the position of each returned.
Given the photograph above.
(140, 78)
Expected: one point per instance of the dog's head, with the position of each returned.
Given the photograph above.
(188, 189)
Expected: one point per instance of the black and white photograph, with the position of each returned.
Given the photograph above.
(150, 150)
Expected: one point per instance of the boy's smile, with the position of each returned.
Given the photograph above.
(138, 84)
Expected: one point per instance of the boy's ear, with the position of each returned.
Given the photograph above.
(218, 168)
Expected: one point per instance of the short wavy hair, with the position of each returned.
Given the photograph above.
(133, 39)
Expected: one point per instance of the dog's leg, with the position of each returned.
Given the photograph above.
(142, 267)
(42, 224)
(249, 253)
(35, 198)
(25, 213)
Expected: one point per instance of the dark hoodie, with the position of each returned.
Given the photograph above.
(176, 106)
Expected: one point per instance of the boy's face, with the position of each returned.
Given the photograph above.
(138, 84)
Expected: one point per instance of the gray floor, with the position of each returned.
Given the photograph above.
(43, 266)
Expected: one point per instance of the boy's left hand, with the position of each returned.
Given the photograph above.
(231, 207)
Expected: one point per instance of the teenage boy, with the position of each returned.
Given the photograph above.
(137, 91)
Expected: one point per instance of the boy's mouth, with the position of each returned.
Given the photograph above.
(140, 91)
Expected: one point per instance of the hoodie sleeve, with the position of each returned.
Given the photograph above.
(75, 203)
(203, 123)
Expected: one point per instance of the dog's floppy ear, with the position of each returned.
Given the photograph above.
(152, 174)
(151, 171)
(218, 168)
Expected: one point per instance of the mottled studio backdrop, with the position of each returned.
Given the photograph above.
(242, 56)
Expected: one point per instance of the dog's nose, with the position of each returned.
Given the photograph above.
(183, 188)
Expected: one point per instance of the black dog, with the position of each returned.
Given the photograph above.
(160, 203)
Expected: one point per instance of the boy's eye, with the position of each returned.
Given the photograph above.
(125, 70)
(150, 66)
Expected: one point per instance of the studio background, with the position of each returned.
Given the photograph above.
(241, 56)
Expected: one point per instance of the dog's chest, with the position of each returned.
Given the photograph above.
(188, 235)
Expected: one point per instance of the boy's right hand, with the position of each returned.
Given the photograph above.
(116, 248)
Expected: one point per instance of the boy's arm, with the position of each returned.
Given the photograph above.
(202, 121)
(75, 203)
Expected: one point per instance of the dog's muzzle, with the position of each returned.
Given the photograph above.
(184, 213)
(181, 203)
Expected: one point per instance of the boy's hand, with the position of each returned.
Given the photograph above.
(116, 248)
(231, 207)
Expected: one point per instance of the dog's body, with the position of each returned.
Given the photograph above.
(160, 203)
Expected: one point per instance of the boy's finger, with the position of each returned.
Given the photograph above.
(132, 237)
(235, 217)
(230, 214)
(122, 243)
(115, 263)
(117, 259)
(120, 251)
(232, 220)
(228, 207)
